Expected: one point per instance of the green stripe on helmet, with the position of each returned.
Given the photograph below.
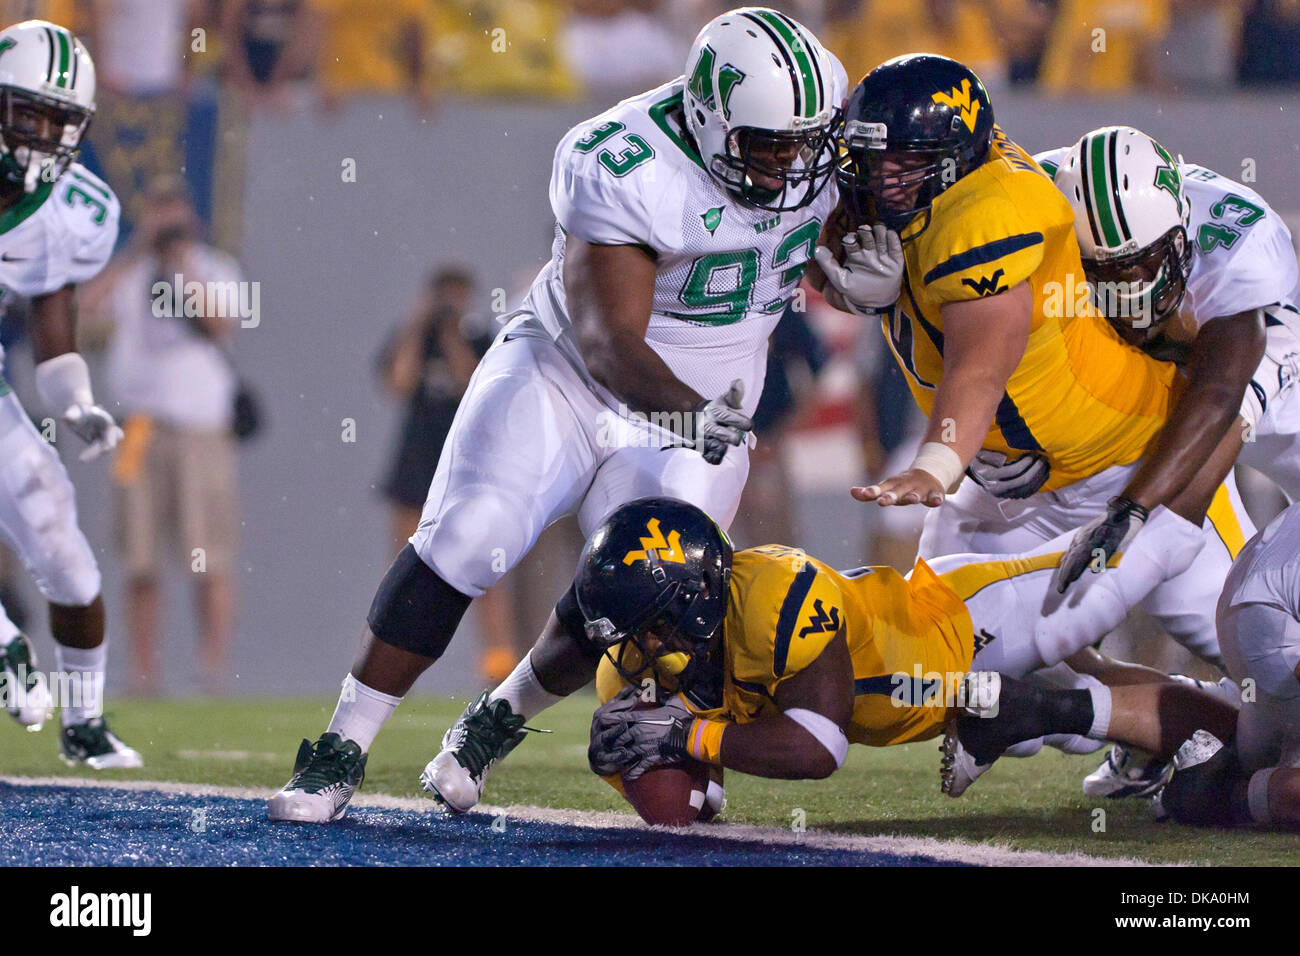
(65, 58)
(1100, 194)
(802, 61)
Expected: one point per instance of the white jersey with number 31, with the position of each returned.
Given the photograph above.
(62, 233)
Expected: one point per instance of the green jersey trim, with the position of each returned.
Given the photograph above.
(24, 207)
(659, 113)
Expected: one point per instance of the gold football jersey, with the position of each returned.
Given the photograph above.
(1080, 395)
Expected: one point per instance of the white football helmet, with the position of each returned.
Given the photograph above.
(47, 97)
(762, 100)
(1130, 218)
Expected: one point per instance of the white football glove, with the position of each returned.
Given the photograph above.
(63, 382)
(720, 423)
(872, 274)
(96, 427)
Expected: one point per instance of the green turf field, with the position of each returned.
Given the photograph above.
(1026, 804)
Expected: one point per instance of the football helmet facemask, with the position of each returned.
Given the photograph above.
(47, 98)
(762, 101)
(654, 578)
(1130, 218)
(915, 125)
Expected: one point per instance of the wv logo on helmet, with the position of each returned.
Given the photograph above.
(655, 544)
(960, 100)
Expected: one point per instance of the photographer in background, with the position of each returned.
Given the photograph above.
(427, 363)
(176, 498)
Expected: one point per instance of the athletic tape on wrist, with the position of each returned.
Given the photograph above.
(704, 740)
(941, 461)
(64, 381)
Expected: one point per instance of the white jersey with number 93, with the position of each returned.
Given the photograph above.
(726, 271)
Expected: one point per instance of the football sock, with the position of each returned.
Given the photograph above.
(361, 712)
(523, 692)
(85, 684)
(1099, 702)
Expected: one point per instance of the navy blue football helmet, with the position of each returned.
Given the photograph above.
(915, 125)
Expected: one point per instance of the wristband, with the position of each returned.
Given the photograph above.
(940, 461)
(704, 740)
(64, 381)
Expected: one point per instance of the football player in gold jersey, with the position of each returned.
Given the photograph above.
(771, 663)
(996, 333)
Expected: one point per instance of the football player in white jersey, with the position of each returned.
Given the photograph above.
(58, 225)
(685, 219)
(1255, 778)
(1198, 269)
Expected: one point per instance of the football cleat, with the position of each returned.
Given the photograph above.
(1201, 789)
(25, 692)
(960, 768)
(484, 734)
(93, 745)
(325, 775)
(1127, 772)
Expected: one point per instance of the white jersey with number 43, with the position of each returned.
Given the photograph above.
(61, 233)
(726, 271)
(1242, 256)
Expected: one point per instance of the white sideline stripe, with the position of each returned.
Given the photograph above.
(981, 854)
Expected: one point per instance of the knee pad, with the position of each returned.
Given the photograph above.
(414, 609)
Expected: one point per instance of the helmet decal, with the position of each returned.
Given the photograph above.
(1168, 177)
(656, 545)
(960, 99)
(701, 83)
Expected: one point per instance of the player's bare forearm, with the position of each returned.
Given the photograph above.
(775, 747)
(984, 341)
(1193, 500)
(778, 746)
(1224, 356)
(54, 323)
(610, 290)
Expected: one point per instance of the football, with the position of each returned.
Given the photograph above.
(673, 796)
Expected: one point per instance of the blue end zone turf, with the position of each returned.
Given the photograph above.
(94, 826)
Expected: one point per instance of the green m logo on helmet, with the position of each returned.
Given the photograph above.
(1168, 177)
(701, 83)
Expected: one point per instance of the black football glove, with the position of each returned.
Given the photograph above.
(1017, 478)
(1100, 540)
(631, 740)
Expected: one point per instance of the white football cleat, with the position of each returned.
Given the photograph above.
(484, 734)
(980, 690)
(93, 745)
(1127, 772)
(325, 776)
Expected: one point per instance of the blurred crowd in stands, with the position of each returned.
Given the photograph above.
(270, 50)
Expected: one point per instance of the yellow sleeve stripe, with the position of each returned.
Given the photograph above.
(1224, 518)
(970, 579)
(989, 252)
